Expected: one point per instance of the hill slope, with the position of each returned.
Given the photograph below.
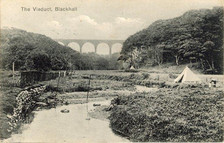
(196, 36)
(31, 51)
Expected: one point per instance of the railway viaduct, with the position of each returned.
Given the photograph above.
(81, 42)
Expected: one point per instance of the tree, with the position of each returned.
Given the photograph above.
(101, 64)
(185, 38)
(113, 61)
(178, 54)
(38, 60)
(158, 54)
(208, 54)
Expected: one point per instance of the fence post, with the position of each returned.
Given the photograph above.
(13, 71)
(59, 79)
(88, 89)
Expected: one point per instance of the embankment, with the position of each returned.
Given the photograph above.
(170, 115)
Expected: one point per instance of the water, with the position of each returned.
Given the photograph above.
(54, 126)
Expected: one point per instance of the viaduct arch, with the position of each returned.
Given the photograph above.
(81, 42)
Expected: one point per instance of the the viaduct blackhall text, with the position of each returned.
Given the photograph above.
(48, 9)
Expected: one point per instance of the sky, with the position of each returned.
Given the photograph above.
(94, 19)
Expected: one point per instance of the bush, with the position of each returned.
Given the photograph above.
(38, 60)
(194, 115)
(145, 75)
(51, 87)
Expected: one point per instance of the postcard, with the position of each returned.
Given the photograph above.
(91, 71)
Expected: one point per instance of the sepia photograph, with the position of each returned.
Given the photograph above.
(111, 71)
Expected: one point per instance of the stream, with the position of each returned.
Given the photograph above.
(54, 126)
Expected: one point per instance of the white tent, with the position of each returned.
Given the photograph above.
(187, 76)
(132, 68)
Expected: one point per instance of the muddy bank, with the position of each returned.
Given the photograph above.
(81, 97)
(101, 113)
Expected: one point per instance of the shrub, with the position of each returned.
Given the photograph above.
(51, 87)
(145, 75)
(194, 115)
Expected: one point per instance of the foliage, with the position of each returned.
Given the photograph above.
(7, 103)
(196, 35)
(38, 60)
(93, 61)
(192, 115)
(30, 51)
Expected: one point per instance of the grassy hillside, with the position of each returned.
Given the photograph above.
(196, 36)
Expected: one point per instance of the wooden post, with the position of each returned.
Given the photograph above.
(55, 102)
(13, 71)
(110, 51)
(88, 89)
(87, 98)
(59, 79)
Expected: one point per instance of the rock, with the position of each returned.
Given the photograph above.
(96, 104)
(41, 103)
(9, 116)
(109, 108)
(65, 111)
(38, 108)
(66, 103)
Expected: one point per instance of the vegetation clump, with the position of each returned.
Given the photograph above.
(31, 51)
(170, 115)
(194, 37)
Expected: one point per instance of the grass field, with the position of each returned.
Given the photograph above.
(73, 89)
(185, 115)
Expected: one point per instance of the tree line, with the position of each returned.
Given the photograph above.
(30, 51)
(196, 36)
